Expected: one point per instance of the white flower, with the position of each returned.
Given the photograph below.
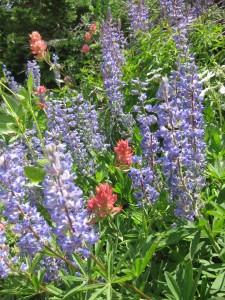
(222, 90)
(209, 75)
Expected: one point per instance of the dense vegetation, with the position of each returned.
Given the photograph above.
(112, 158)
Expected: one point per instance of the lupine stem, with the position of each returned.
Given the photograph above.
(38, 129)
(28, 277)
(135, 289)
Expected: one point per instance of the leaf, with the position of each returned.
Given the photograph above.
(80, 263)
(218, 170)
(215, 214)
(6, 119)
(195, 284)
(56, 291)
(7, 129)
(149, 254)
(72, 278)
(109, 292)
(219, 283)
(173, 286)
(122, 260)
(35, 282)
(110, 265)
(38, 257)
(73, 291)
(175, 235)
(194, 243)
(98, 292)
(42, 162)
(30, 82)
(188, 281)
(220, 208)
(34, 174)
(12, 105)
(123, 279)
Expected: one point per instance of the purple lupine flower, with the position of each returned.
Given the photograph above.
(138, 16)
(75, 121)
(35, 143)
(24, 267)
(52, 266)
(34, 69)
(181, 128)
(113, 59)
(199, 6)
(65, 205)
(33, 229)
(56, 67)
(144, 177)
(13, 85)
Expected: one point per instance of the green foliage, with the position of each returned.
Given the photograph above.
(142, 250)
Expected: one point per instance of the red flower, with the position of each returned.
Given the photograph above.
(37, 45)
(124, 154)
(41, 105)
(103, 203)
(93, 29)
(2, 226)
(88, 36)
(85, 48)
(41, 90)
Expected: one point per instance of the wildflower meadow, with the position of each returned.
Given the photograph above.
(112, 153)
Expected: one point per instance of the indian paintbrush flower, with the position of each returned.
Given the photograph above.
(85, 49)
(102, 204)
(124, 154)
(37, 45)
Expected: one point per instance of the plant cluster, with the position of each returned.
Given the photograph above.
(113, 188)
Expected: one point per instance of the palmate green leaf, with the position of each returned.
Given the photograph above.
(99, 292)
(73, 291)
(56, 291)
(218, 170)
(173, 286)
(34, 174)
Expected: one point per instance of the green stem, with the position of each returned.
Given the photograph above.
(209, 233)
(18, 124)
(5, 86)
(28, 277)
(139, 292)
(38, 129)
(134, 288)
